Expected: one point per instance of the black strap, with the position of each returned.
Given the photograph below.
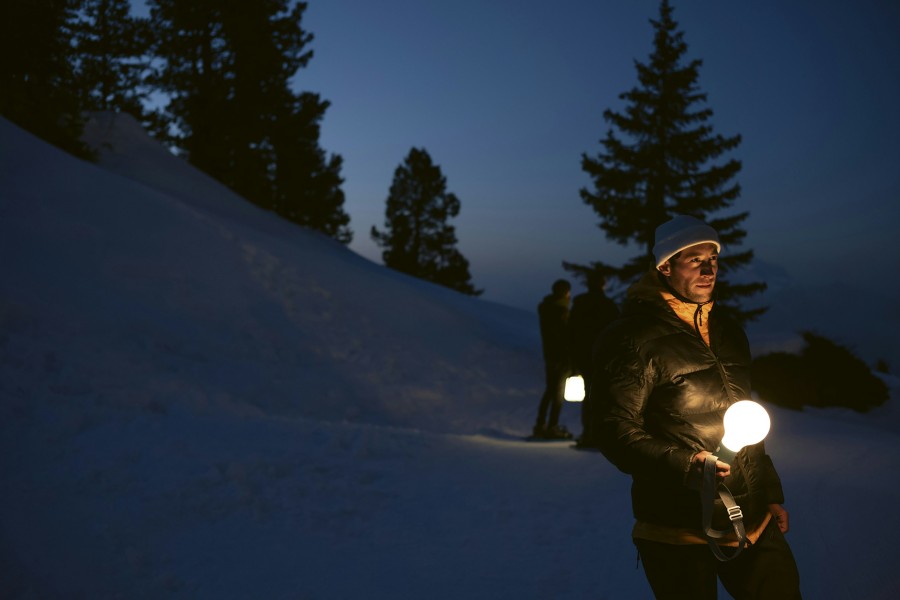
(708, 492)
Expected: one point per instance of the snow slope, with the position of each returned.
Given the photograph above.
(200, 400)
(144, 281)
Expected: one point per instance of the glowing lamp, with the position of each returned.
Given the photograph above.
(574, 389)
(746, 423)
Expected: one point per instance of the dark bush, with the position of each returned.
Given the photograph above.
(823, 374)
(776, 378)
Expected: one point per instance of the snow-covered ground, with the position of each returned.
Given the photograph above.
(199, 400)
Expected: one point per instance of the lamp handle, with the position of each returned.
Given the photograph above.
(708, 492)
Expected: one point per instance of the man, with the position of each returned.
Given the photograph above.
(592, 311)
(664, 374)
(553, 315)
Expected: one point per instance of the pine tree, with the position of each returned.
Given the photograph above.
(188, 41)
(659, 160)
(417, 239)
(37, 79)
(307, 182)
(111, 47)
(227, 68)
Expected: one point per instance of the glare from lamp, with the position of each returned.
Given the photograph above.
(746, 423)
(574, 389)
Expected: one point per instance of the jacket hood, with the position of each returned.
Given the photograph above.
(648, 289)
(649, 284)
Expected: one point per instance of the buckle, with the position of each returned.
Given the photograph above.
(735, 514)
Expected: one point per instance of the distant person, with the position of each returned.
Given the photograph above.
(553, 315)
(664, 374)
(592, 311)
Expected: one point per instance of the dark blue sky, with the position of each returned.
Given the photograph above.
(507, 94)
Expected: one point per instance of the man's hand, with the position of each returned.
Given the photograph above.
(695, 477)
(781, 517)
(723, 470)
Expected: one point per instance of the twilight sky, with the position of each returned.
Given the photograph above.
(506, 95)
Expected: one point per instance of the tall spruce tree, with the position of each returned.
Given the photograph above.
(37, 75)
(111, 49)
(307, 182)
(189, 42)
(417, 239)
(659, 160)
(226, 69)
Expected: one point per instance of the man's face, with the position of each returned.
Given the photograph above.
(693, 273)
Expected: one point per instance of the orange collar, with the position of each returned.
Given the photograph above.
(686, 312)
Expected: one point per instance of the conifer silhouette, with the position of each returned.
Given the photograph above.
(659, 159)
(417, 238)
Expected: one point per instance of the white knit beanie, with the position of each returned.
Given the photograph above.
(682, 232)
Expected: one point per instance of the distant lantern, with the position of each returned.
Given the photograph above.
(574, 389)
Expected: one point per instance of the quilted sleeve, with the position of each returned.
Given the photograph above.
(622, 384)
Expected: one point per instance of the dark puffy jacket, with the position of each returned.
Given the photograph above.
(660, 394)
(591, 313)
(553, 316)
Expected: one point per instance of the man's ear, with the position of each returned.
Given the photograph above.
(665, 268)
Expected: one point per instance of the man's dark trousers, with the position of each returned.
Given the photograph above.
(764, 571)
